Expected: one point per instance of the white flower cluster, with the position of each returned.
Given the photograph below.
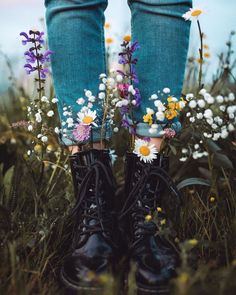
(211, 118)
(216, 116)
(39, 113)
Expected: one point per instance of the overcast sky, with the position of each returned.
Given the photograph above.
(21, 15)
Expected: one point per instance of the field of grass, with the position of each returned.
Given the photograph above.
(36, 194)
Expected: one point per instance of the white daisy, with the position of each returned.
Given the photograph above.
(145, 151)
(193, 14)
(88, 117)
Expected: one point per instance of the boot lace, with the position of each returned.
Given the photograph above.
(91, 203)
(143, 199)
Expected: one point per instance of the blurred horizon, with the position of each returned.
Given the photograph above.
(17, 16)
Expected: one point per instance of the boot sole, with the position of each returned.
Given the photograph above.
(145, 290)
(76, 287)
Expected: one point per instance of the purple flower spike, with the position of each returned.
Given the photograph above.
(30, 57)
(134, 47)
(44, 72)
(27, 38)
(122, 60)
(46, 56)
(40, 38)
(29, 69)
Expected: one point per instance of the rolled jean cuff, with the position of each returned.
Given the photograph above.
(142, 129)
(67, 138)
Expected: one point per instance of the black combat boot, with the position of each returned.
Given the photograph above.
(155, 260)
(93, 248)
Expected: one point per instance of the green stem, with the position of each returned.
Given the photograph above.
(201, 56)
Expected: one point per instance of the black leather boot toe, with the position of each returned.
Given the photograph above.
(93, 251)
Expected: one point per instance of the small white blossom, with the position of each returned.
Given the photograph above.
(222, 108)
(44, 99)
(88, 93)
(101, 95)
(231, 127)
(192, 104)
(116, 129)
(166, 90)
(38, 117)
(154, 96)
(160, 116)
(220, 99)
(102, 76)
(134, 102)
(54, 100)
(119, 78)
(202, 92)
(208, 113)
(199, 116)
(92, 98)
(201, 103)
(183, 159)
(44, 138)
(50, 113)
(102, 87)
(231, 97)
(189, 96)
(80, 101)
(149, 111)
(56, 130)
(30, 128)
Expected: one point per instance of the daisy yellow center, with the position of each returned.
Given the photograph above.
(87, 120)
(196, 12)
(144, 151)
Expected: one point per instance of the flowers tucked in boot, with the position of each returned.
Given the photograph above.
(155, 259)
(93, 249)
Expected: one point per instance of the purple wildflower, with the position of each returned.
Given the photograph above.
(27, 38)
(46, 56)
(40, 37)
(137, 97)
(44, 72)
(125, 123)
(134, 47)
(82, 132)
(30, 57)
(29, 69)
(122, 60)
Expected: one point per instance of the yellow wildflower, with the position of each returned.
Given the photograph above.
(193, 242)
(37, 148)
(107, 25)
(163, 222)
(159, 209)
(148, 217)
(127, 38)
(170, 99)
(147, 119)
(207, 55)
(171, 114)
(109, 40)
(212, 199)
(183, 277)
(172, 105)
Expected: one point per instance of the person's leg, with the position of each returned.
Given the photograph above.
(76, 36)
(163, 36)
(75, 33)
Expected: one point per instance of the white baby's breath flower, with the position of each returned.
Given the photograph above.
(219, 98)
(192, 104)
(56, 130)
(102, 87)
(202, 92)
(184, 150)
(166, 90)
(224, 134)
(199, 116)
(50, 113)
(201, 103)
(90, 105)
(208, 113)
(92, 98)
(231, 127)
(189, 96)
(192, 119)
(119, 78)
(131, 89)
(70, 122)
(116, 129)
(80, 101)
(231, 97)
(54, 100)
(30, 128)
(44, 138)
(101, 95)
(159, 105)
(160, 116)
(38, 117)
(134, 102)
(44, 99)
(208, 98)
(183, 159)
(188, 114)
(102, 76)
(154, 96)
(88, 93)
(145, 151)
(222, 108)
(149, 111)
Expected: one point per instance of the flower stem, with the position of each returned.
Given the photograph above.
(201, 56)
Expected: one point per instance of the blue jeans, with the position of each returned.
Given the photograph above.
(76, 35)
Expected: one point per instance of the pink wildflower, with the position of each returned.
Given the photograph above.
(82, 132)
(169, 133)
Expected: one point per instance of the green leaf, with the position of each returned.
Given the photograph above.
(7, 180)
(193, 181)
(205, 172)
(212, 146)
(221, 160)
(173, 149)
